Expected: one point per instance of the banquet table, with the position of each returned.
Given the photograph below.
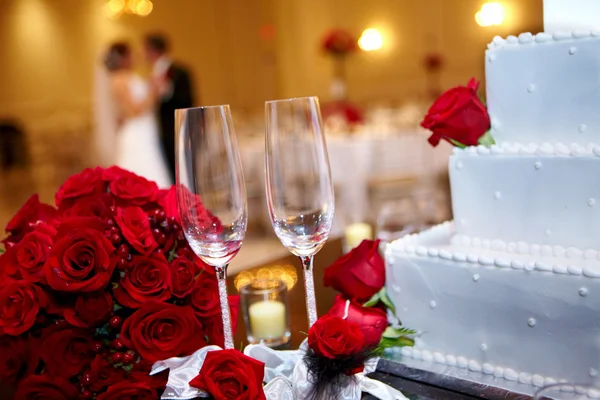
(355, 160)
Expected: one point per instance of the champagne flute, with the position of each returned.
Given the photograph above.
(211, 194)
(298, 182)
(567, 391)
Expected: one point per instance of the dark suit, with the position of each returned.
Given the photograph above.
(182, 96)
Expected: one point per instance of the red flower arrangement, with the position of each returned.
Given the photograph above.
(459, 117)
(360, 277)
(99, 288)
(339, 42)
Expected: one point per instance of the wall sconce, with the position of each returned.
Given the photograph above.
(115, 8)
(370, 40)
(491, 13)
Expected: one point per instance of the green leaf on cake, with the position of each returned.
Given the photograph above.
(2, 251)
(457, 144)
(372, 301)
(386, 300)
(487, 140)
(394, 333)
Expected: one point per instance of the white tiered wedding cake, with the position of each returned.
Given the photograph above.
(512, 287)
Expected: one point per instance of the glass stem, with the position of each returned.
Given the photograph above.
(309, 286)
(225, 315)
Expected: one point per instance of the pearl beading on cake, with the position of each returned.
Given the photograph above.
(544, 149)
(521, 247)
(407, 245)
(473, 365)
(529, 39)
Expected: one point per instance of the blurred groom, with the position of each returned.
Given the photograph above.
(175, 91)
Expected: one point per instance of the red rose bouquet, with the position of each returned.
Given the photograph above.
(98, 288)
(459, 117)
(360, 277)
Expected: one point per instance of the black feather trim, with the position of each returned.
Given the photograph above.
(327, 376)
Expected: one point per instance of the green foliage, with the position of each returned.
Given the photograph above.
(383, 297)
(487, 140)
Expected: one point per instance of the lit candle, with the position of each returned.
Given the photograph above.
(267, 319)
(356, 233)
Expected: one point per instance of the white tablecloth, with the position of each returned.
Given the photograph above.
(356, 159)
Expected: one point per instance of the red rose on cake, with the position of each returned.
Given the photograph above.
(372, 321)
(334, 337)
(359, 274)
(458, 116)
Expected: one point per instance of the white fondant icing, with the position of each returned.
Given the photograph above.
(564, 68)
(533, 201)
(485, 318)
(583, 292)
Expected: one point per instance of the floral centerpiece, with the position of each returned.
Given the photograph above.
(99, 287)
(339, 44)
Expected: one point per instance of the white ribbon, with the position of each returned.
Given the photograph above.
(285, 374)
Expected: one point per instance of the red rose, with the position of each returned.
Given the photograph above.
(359, 274)
(66, 350)
(131, 189)
(157, 331)
(85, 183)
(20, 302)
(28, 257)
(183, 276)
(113, 173)
(27, 217)
(91, 310)
(46, 387)
(231, 375)
(458, 115)
(141, 373)
(135, 227)
(334, 337)
(129, 391)
(80, 260)
(194, 213)
(97, 205)
(339, 42)
(148, 279)
(205, 296)
(214, 325)
(18, 359)
(371, 320)
(104, 374)
(168, 201)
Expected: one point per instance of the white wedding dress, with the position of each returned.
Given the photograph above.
(138, 145)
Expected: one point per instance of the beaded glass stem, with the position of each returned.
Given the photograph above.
(225, 314)
(309, 287)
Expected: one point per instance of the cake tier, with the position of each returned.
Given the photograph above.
(544, 88)
(518, 317)
(509, 195)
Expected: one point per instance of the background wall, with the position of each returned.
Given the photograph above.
(49, 49)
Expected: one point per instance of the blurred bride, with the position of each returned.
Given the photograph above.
(127, 132)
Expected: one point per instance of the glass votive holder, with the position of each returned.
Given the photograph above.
(265, 309)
